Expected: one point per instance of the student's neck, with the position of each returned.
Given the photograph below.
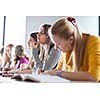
(47, 42)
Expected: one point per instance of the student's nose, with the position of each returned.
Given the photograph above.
(28, 42)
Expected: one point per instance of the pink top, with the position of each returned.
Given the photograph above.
(22, 60)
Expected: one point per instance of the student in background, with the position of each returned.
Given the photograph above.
(1, 56)
(49, 55)
(20, 60)
(1, 51)
(32, 42)
(80, 60)
(6, 60)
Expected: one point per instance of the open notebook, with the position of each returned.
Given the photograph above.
(40, 78)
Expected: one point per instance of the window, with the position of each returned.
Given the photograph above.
(1, 30)
(15, 30)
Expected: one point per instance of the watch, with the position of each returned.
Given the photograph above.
(58, 73)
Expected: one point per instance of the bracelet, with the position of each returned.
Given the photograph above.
(58, 73)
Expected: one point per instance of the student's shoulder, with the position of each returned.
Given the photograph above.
(94, 38)
(93, 41)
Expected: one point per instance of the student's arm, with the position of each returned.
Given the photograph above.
(27, 71)
(51, 61)
(36, 58)
(78, 76)
(74, 76)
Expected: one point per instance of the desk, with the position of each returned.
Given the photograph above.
(9, 80)
(83, 82)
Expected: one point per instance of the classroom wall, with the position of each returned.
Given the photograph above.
(88, 24)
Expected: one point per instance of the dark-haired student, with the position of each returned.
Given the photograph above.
(32, 42)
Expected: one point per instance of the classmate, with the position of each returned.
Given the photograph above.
(1, 51)
(21, 60)
(49, 55)
(1, 56)
(32, 42)
(6, 59)
(80, 60)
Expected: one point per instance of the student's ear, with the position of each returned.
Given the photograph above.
(71, 39)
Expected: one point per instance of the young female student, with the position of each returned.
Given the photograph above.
(6, 59)
(80, 60)
(21, 60)
(1, 56)
(48, 55)
(32, 42)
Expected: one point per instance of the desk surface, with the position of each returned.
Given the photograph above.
(9, 80)
(6, 80)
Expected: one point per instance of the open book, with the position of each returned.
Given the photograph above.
(40, 78)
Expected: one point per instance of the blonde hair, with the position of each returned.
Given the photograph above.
(66, 27)
(6, 59)
(5, 49)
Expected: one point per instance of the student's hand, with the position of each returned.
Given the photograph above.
(39, 71)
(51, 72)
(33, 45)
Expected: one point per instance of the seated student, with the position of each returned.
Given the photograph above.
(1, 56)
(32, 42)
(21, 60)
(49, 55)
(6, 59)
(1, 51)
(81, 52)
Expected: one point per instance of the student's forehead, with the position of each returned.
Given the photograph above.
(8, 48)
(40, 33)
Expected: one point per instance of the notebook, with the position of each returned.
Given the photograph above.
(44, 78)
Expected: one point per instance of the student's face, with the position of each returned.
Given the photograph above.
(31, 42)
(42, 38)
(64, 45)
(8, 51)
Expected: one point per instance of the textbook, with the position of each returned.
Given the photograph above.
(45, 78)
